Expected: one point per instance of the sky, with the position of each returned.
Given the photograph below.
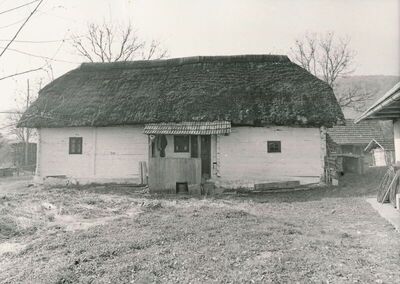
(189, 27)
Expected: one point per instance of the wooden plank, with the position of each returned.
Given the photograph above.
(390, 187)
(164, 173)
(384, 184)
(276, 185)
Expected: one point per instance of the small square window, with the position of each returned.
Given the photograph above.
(274, 146)
(75, 145)
(181, 143)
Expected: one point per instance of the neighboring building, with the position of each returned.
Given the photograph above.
(234, 120)
(382, 152)
(18, 154)
(387, 108)
(12, 158)
(6, 163)
(354, 138)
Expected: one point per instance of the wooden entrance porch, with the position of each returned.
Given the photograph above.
(180, 154)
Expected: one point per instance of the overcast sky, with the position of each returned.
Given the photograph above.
(206, 27)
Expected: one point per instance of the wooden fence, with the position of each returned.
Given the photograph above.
(165, 173)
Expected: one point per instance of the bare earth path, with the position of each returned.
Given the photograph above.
(105, 235)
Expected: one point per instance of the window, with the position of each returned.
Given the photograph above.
(181, 143)
(75, 145)
(274, 146)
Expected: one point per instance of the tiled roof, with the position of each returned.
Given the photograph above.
(189, 128)
(361, 133)
(385, 145)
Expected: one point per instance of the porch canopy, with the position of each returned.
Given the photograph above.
(189, 128)
(386, 108)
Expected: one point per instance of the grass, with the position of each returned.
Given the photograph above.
(104, 235)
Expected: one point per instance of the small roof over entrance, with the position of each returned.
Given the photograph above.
(189, 128)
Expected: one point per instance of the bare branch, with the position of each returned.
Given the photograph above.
(324, 56)
(355, 97)
(330, 58)
(108, 43)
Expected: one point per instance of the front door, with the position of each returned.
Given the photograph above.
(206, 156)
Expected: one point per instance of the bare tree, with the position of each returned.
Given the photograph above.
(109, 43)
(331, 58)
(23, 100)
(355, 97)
(324, 56)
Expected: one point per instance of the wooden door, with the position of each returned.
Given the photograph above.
(206, 156)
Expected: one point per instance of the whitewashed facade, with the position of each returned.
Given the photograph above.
(109, 154)
(239, 159)
(396, 132)
(244, 159)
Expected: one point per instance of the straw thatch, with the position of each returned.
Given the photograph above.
(267, 89)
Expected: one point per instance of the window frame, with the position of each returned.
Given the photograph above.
(271, 148)
(187, 137)
(73, 142)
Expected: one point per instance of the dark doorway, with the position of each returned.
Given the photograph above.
(205, 156)
(182, 187)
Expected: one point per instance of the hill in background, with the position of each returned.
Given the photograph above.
(378, 84)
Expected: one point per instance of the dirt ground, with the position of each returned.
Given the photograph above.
(121, 235)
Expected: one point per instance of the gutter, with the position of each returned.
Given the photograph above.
(387, 99)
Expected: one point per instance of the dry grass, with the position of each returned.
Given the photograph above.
(95, 235)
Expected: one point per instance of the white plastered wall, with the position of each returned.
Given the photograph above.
(110, 154)
(244, 160)
(396, 132)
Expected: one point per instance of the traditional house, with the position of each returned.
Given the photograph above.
(354, 140)
(234, 120)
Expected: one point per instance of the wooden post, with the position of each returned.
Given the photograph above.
(26, 156)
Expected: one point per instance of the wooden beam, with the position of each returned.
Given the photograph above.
(376, 116)
(388, 112)
(396, 107)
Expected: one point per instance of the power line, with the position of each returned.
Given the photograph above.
(42, 41)
(21, 73)
(36, 69)
(19, 30)
(41, 56)
(15, 8)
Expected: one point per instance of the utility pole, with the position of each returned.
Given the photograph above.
(26, 157)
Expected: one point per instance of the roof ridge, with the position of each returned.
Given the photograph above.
(271, 58)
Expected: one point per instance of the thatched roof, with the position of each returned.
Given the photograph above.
(243, 89)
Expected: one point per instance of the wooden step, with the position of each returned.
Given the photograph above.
(276, 185)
